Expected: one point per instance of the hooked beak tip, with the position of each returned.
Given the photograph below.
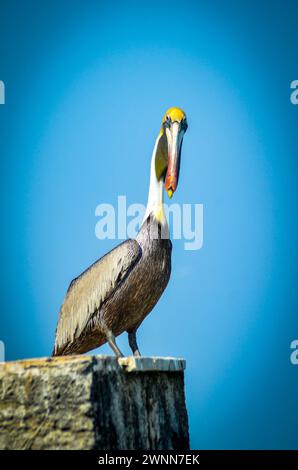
(170, 192)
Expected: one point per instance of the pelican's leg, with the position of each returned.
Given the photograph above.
(112, 342)
(132, 340)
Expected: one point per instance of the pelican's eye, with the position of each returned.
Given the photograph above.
(167, 121)
(184, 124)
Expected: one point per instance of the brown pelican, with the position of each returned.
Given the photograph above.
(118, 291)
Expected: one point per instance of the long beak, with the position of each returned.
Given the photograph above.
(174, 137)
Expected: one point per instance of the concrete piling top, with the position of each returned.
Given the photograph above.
(103, 362)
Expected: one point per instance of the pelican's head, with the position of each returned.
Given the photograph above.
(174, 125)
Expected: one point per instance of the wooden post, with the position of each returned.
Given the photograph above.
(93, 402)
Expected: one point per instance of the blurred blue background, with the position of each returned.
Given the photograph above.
(87, 83)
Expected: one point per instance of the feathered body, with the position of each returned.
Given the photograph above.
(142, 269)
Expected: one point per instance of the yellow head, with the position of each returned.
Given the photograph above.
(174, 114)
(174, 125)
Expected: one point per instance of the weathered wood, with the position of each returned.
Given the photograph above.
(93, 402)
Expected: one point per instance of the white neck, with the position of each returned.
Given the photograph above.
(155, 196)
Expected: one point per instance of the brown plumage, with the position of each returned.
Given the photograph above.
(114, 294)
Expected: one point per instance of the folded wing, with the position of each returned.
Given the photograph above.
(87, 292)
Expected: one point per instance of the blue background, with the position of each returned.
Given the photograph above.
(87, 83)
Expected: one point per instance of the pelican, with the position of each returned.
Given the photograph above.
(119, 290)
